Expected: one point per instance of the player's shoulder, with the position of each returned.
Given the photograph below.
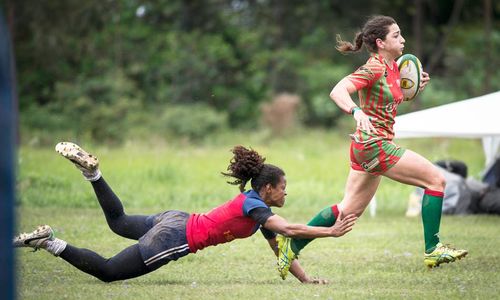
(253, 198)
(254, 201)
(371, 71)
(374, 66)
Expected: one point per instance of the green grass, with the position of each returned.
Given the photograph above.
(380, 259)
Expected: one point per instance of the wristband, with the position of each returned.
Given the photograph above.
(354, 109)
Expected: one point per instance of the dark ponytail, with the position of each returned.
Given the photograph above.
(246, 165)
(377, 27)
(344, 47)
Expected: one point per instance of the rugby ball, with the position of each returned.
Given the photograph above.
(410, 70)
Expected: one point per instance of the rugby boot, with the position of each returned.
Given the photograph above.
(443, 254)
(36, 239)
(285, 255)
(84, 161)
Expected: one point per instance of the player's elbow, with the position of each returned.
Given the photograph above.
(334, 94)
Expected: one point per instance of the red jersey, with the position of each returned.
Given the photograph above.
(224, 223)
(378, 85)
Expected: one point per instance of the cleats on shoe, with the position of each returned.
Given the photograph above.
(34, 239)
(285, 255)
(443, 254)
(83, 160)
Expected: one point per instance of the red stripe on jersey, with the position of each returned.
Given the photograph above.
(379, 94)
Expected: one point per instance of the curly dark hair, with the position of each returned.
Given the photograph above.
(377, 27)
(246, 165)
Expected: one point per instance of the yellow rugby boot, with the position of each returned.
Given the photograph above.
(285, 255)
(443, 254)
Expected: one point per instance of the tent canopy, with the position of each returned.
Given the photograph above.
(473, 118)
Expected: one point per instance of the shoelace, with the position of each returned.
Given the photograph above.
(449, 247)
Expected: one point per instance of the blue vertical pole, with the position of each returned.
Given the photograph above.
(8, 121)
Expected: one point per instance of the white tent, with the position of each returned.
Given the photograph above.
(473, 118)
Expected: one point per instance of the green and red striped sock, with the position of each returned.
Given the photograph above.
(432, 204)
(325, 218)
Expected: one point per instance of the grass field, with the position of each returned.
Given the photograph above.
(380, 259)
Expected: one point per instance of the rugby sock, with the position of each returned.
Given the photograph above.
(432, 203)
(325, 218)
(56, 246)
(92, 176)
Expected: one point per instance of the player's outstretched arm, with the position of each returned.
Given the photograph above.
(279, 225)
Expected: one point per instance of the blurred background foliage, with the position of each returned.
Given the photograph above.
(112, 70)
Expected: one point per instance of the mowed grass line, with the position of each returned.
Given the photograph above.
(381, 258)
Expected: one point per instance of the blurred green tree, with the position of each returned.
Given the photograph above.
(145, 56)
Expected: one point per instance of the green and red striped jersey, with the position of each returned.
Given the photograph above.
(378, 85)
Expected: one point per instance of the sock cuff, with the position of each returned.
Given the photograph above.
(56, 246)
(434, 193)
(94, 176)
(335, 211)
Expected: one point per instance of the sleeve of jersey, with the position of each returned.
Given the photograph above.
(252, 203)
(367, 74)
(259, 212)
(260, 215)
(268, 234)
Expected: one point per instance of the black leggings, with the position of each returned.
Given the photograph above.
(126, 264)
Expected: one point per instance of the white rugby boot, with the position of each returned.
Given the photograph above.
(84, 161)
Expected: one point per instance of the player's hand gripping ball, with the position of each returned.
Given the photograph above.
(410, 70)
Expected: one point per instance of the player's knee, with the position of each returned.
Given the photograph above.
(106, 272)
(438, 182)
(119, 225)
(348, 210)
(357, 212)
(107, 277)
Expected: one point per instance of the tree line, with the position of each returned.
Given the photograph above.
(106, 69)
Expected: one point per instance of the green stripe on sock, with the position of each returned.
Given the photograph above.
(325, 218)
(431, 218)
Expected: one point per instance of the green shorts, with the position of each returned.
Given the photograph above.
(375, 156)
